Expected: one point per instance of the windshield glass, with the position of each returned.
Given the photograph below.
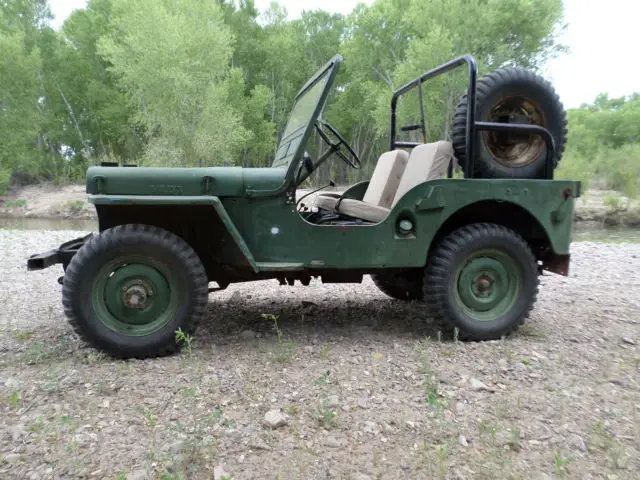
(302, 114)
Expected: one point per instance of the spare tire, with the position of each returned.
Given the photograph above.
(511, 95)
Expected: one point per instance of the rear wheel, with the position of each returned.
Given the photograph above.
(129, 289)
(482, 279)
(401, 286)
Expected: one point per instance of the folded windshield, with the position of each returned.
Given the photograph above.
(304, 113)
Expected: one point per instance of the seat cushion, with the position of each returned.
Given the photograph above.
(362, 210)
(386, 178)
(382, 186)
(427, 161)
(327, 201)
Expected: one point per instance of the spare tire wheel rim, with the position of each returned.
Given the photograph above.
(515, 149)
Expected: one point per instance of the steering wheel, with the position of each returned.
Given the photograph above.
(352, 160)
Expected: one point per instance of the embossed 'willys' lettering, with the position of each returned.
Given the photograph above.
(167, 189)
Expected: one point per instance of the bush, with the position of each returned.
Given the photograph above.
(5, 180)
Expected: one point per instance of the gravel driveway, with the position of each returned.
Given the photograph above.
(361, 386)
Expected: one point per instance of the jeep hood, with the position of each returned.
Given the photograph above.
(155, 181)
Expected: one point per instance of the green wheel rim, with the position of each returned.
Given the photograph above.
(487, 284)
(135, 295)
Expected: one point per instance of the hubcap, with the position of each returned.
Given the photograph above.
(515, 149)
(134, 296)
(487, 285)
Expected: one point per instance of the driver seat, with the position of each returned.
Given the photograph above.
(427, 161)
(382, 186)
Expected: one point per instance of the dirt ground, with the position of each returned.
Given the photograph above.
(70, 202)
(360, 386)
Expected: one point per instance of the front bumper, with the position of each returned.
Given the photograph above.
(62, 254)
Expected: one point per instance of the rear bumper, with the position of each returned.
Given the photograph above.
(63, 254)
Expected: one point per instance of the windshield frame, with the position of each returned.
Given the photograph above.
(328, 71)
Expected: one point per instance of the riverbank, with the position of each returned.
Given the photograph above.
(48, 201)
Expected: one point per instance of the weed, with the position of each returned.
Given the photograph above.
(286, 347)
(322, 379)
(486, 428)
(13, 399)
(75, 206)
(607, 442)
(514, 440)
(36, 353)
(291, 410)
(23, 335)
(184, 339)
(560, 462)
(324, 415)
(66, 420)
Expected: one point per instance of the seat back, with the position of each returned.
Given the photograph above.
(386, 178)
(427, 161)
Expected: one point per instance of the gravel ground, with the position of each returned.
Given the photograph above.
(356, 386)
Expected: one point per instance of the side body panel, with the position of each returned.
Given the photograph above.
(275, 232)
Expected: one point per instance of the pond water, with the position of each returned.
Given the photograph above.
(581, 232)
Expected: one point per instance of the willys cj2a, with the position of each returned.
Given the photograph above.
(469, 250)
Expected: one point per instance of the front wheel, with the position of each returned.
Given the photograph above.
(129, 289)
(482, 279)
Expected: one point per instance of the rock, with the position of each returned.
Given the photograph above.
(371, 427)
(259, 444)
(17, 431)
(12, 457)
(461, 408)
(576, 441)
(176, 447)
(462, 440)
(308, 349)
(140, 474)
(248, 334)
(219, 473)
(333, 401)
(360, 476)
(12, 383)
(363, 402)
(274, 419)
(332, 442)
(478, 386)
(628, 340)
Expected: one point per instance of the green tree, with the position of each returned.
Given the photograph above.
(19, 109)
(172, 58)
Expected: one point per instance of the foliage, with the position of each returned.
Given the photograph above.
(192, 83)
(604, 141)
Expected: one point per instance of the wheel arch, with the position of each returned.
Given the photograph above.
(200, 225)
(510, 215)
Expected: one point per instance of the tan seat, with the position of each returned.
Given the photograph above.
(382, 186)
(428, 161)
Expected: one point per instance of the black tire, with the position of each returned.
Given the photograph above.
(511, 89)
(401, 286)
(444, 295)
(185, 280)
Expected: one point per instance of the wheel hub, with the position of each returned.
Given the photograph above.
(487, 284)
(136, 297)
(515, 148)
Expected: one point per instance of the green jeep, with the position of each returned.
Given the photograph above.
(468, 250)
